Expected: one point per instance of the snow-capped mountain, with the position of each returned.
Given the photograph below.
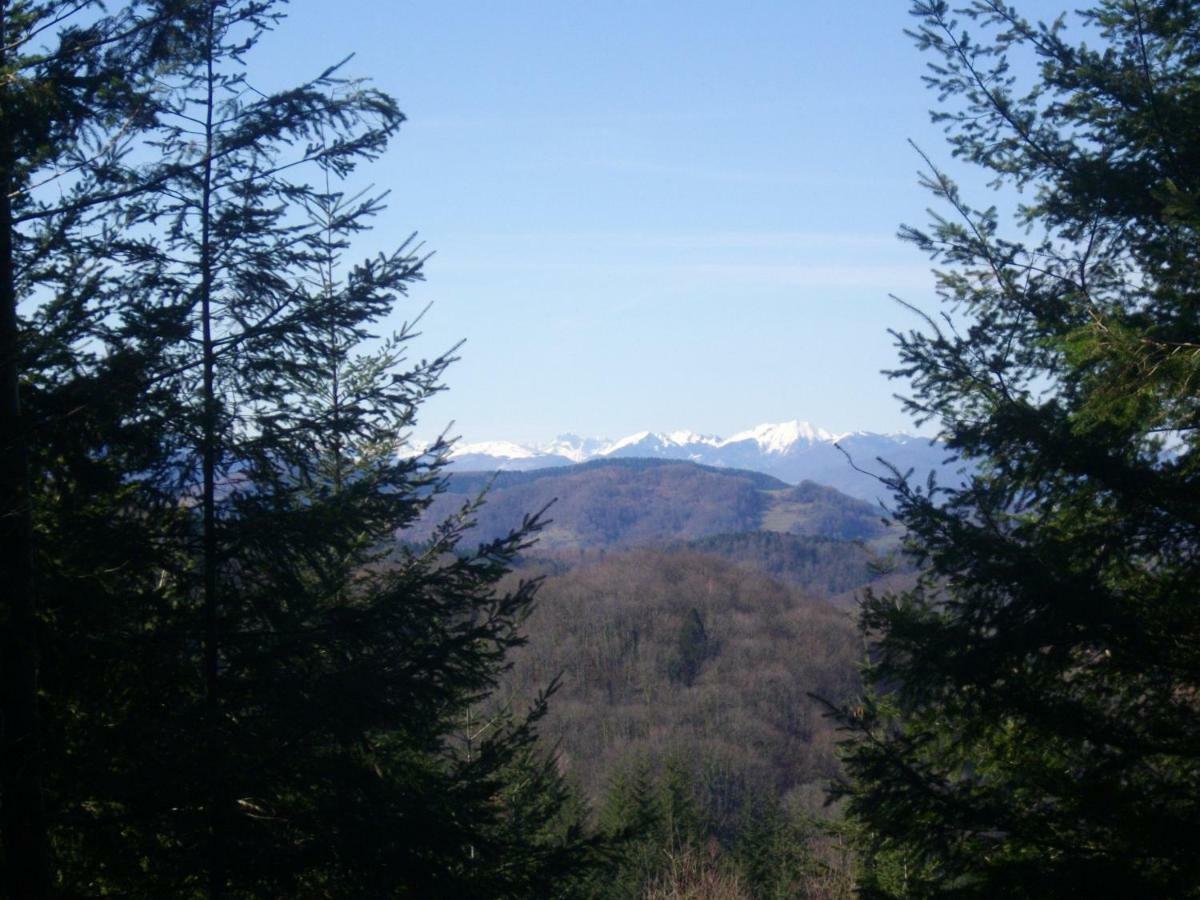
(792, 451)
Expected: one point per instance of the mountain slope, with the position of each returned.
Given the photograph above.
(631, 502)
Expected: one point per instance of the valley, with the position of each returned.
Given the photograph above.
(688, 618)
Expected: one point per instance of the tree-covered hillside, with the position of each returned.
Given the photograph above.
(626, 503)
(821, 566)
(685, 670)
(659, 651)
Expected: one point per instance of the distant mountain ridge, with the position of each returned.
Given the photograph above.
(792, 451)
(611, 503)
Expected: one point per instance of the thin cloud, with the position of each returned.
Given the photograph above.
(856, 275)
(750, 240)
(823, 275)
(736, 176)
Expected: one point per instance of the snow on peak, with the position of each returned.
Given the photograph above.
(685, 438)
(625, 442)
(573, 447)
(503, 449)
(781, 437)
(773, 439)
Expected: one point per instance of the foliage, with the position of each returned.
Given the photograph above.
(671, 845)
(1033, 729)
(74, 83)
(244, 690)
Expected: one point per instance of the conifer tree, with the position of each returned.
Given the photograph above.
(74, 82)
(691, 650)
(1034, 728)
(248, 690)
(313, 674)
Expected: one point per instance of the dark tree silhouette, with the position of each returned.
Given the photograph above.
(1034, 727)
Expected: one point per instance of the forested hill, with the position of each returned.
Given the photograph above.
(688, 613)
(468, 481)
(631, 502)
(684, 654)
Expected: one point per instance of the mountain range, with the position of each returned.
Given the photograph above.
(792, 451)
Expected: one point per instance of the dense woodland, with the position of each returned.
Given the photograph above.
(679, 652)
(252, 646)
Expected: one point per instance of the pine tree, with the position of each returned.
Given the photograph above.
(73, 88)
(284, 723)
(246, 688)
(691, 650)
(1034, 728)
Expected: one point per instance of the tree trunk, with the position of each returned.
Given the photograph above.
(212, 608)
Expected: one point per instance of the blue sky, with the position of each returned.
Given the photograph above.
(647, 215)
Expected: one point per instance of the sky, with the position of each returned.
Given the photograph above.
(646, 215)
